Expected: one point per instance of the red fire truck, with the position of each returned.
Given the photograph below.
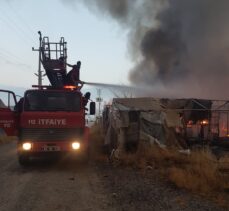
(48, 120)
(8, 118)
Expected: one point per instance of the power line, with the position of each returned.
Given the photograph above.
(10, 22)
(8, 57)
(13, 62)
(20, 17)
(19, 26)
(9, 54)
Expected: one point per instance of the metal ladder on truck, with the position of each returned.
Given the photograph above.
(54, 60)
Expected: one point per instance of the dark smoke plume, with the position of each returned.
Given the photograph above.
(183, 45)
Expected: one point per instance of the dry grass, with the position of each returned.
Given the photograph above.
(198, 171)
(199, 174)
(224, 164)
(153, 156)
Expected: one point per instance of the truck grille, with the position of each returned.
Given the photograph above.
(51, 134)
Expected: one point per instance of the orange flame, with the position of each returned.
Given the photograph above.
(204, 122)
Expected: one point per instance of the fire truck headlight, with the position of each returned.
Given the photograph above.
(75, 145)
(26, 146)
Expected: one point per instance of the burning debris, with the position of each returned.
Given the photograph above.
(172, 123)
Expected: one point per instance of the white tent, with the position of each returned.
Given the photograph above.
(130, 120)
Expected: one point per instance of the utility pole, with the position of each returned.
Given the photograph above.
(39, 74)
(99, 100)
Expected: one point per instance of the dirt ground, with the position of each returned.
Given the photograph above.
(136, 190)
(68, 185)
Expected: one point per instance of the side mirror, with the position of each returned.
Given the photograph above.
(92, 108)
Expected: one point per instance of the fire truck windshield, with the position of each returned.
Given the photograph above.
(52, 101)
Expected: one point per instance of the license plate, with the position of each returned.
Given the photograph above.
(51, 148)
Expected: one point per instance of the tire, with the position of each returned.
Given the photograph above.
(23, 160)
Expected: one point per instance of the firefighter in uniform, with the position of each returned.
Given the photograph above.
(73, 76)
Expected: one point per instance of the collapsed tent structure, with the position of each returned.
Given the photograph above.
(166, 122)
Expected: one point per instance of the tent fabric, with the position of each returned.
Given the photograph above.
(143, 104)
(140, 119)
(165, 121)
(154, 130)
(172, 118)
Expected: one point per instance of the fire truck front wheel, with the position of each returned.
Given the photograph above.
(23, 159)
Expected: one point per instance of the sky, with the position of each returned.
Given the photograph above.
(98, 42)
(166, 48)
